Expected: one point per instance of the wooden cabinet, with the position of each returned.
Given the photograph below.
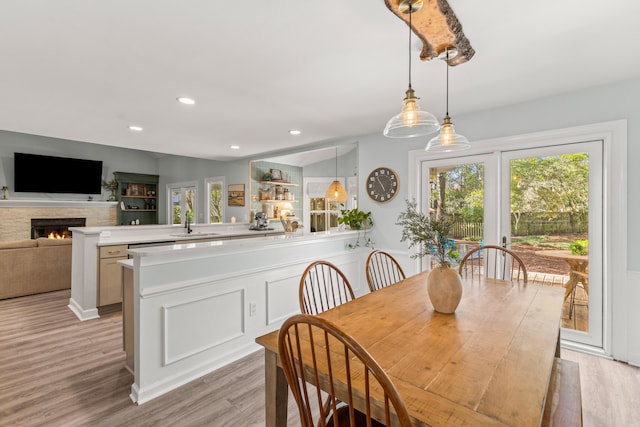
(138, 197)
(110, 274)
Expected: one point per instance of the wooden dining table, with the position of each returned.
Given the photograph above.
(577, 264)
(489, 363)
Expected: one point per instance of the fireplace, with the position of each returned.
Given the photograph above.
(56, 228)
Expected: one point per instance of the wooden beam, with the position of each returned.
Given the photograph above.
(438, 28)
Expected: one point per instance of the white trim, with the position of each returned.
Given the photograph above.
(44, 203)
(614, 135)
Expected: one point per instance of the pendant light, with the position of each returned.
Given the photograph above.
(411, 122)
(448, 140)
(336, 190)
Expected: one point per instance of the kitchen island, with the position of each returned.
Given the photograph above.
(195, 306)
(96, 251)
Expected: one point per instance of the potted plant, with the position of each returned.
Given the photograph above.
(112, 186)
(579, 247)
(358, 220)
(430, 235)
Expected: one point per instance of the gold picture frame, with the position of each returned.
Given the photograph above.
(235, 195)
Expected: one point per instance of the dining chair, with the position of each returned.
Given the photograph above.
(382, 270)
(494, 262)
(323, 286)
(324, 364)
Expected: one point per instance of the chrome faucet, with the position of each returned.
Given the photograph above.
(187, 224)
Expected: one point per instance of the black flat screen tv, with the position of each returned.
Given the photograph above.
(34, 173)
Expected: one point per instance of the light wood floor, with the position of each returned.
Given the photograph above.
(58, 371)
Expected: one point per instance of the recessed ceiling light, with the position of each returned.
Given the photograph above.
(294, 132)
(136, 128)
(234, 147)
(187, 101)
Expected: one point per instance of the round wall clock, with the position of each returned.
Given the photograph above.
(382, 184)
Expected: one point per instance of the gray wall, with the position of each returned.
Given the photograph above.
(113, 159)
(174, 169)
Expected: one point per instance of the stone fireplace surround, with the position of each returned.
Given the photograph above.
(16, 215)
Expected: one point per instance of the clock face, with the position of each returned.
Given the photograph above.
(382, 184)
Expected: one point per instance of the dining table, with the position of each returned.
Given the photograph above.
(488, 363)
(578, 267)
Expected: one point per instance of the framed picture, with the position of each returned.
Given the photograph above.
(276, 174)
(236, 194)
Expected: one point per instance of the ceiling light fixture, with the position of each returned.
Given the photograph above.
(136, 128)
(411, 122)
(336, 190)
(234, 147)
(448, 140)
(294, 132)
(186, 101)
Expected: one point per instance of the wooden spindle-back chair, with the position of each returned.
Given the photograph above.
(323, 286)
(494, 262)
(382, 270)
(325, 367)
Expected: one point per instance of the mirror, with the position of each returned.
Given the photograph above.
(293, 186)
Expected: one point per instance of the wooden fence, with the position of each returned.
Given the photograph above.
(527, 227)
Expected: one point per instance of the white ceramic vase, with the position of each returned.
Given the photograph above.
(444, 286)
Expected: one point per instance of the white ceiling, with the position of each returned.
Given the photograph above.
(86, 70)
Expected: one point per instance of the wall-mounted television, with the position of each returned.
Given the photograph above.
(34, 173)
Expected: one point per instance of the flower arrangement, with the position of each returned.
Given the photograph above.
(429, 233)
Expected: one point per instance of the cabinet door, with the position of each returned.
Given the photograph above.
(110, 291)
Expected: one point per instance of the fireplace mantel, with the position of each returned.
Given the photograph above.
(46, 203)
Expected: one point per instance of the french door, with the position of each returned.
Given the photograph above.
(534, 201)
(563, 210)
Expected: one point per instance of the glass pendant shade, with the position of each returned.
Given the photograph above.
(411, 122)
(447, 140)
(336, 192)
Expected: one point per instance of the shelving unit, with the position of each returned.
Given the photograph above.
(269, 195)
(138, 197)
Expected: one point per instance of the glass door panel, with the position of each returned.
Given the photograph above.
(553, 216)
(456, 187)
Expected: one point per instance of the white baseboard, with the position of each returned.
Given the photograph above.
(80, 313)
(141, 395)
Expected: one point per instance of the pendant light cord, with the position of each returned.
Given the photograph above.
(447, 63)
(410, 13)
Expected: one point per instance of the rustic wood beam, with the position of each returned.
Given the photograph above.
(438, 28)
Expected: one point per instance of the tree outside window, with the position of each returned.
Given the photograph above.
(215, 199)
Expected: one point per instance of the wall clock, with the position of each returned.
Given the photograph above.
(382, 184)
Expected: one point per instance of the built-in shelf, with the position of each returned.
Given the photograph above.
(285, 184)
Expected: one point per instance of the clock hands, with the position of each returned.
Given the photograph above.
(381, 184)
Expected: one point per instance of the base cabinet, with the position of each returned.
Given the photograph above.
(110, 280)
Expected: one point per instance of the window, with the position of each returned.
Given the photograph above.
(214, 207)
(182, 198)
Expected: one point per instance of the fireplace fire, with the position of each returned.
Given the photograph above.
(54, 228)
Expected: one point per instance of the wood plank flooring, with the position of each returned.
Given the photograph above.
(58, 371)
